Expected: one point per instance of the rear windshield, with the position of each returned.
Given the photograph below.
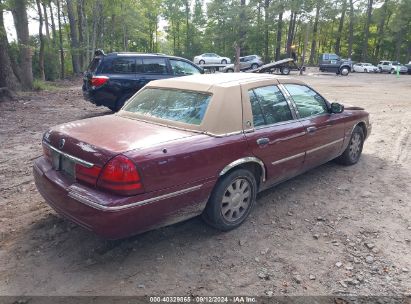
(92, 67)
(169, 104)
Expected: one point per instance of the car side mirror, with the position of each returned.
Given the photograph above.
(337, 108)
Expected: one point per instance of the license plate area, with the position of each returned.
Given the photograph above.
(63, 164)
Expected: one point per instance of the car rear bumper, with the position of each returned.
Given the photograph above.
(115, 217)
(100, 97)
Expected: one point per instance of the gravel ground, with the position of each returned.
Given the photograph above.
(333, 230)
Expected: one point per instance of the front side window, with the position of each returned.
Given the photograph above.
(120, 66)
(175, 105)
(183, 68)
(308, 102)
(269, 106)
(155, 65)
(334, 57)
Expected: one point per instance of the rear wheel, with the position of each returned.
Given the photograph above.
(352, 153)
(120, 103)
(254, 66)
(230, 70)
(201, 62)
(392, 71)
(231, 201)
(223, 61)
(285, 70)
(344, 71)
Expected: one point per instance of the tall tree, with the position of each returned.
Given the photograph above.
(380, 30)
(340, 27)
(75, 58)
(41, 38)
(266, 21)
(279, 34)
(19, 11)
(351, 28)
(53, 26)
(364, 53)
(46, 19)
(315, 29)
(62, 69)
(7, 77)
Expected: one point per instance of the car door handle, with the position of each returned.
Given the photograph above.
(263, 141)
(311, 129)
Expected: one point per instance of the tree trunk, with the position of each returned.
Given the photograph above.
(237, 51)
(53, 26)
(41, 37)
(289, 35)
(398, 41)
(81, 21)
(364, 53)
(75, 58)
(60, 40)
(266, 16)
(18, 9)
(7, 77)
(187, 26)
(242, 29)
(315, 28)
(46, 19)
(279, 34)
(340, 27)
(351, 29)
(307, 31)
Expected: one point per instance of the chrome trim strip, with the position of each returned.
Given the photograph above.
(243, 160)
(73, 158)
(93, 204)
(325, 146)
(288, 158)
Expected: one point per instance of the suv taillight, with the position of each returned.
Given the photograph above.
(120, 176)
(98, 81)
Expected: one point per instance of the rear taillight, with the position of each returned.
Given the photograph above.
(87, 175)
(120, 175)
(47, 152)
(98, 81)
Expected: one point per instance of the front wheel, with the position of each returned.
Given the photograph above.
(230, 70)
(201, 62)
(223, 61)
(231, 201)
(254, 66)
(352, 153)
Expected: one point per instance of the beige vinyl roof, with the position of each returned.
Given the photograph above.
(224, 114)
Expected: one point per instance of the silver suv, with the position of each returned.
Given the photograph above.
(391, 67)
(247, 62)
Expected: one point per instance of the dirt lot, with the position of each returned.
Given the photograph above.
(332, 230)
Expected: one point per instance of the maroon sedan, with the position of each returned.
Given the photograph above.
(194, 145)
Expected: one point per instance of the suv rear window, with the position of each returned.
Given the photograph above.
(170, 104)
(92, 67)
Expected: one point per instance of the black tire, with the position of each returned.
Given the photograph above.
(201, 62)
(392, 71)
(223, 61)
(229, 70)
(231, 201)
(352, 153)
(285, 70)
(254, 66)
(344, 71)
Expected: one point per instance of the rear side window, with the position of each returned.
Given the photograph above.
(183, 68)
(269, 106)
(155, 65)
(120, 66)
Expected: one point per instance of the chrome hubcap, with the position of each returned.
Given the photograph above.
(355, 146)
(236, 200)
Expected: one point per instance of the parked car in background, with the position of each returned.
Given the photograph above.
(408, 66)
(113, 78)
(211, 58)
(333, 63)
(246, 63)
(201, 144)
(361, 67)
(391, 67)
